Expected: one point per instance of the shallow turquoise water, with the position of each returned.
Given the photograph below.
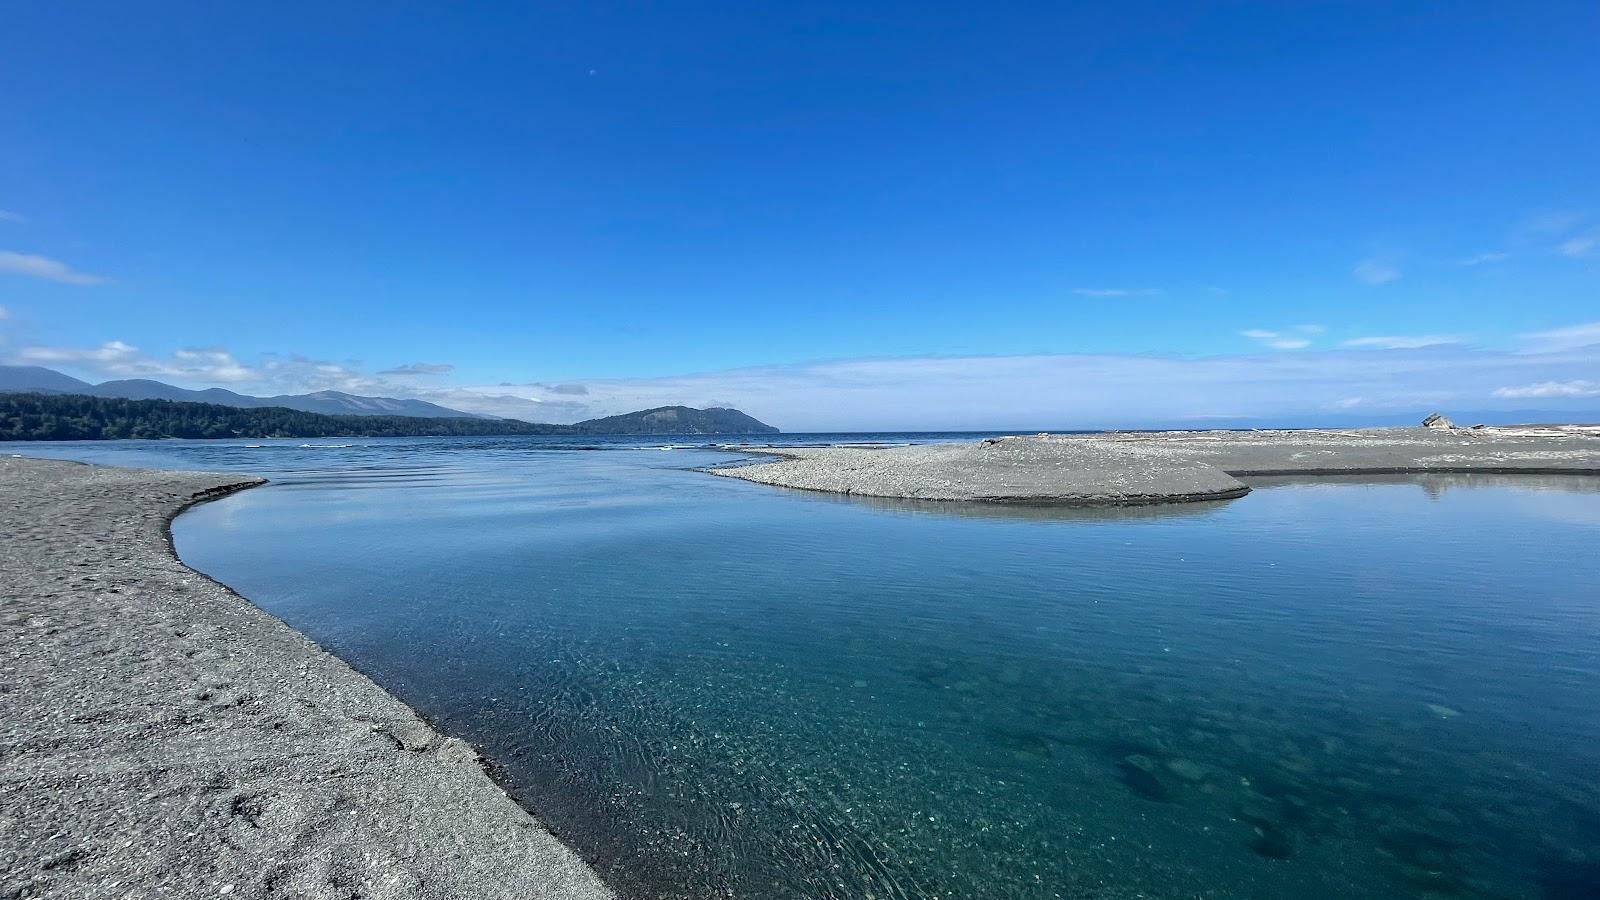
(1335, 688)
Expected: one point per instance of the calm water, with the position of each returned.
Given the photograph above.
(1375, 688)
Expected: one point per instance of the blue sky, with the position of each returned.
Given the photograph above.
(851, 215)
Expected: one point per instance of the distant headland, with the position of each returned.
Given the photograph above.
(39, 380)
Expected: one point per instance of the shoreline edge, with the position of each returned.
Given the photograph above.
(163, 735)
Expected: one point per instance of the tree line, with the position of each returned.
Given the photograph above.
(76, 417)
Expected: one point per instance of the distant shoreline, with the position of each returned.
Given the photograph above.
(174, 738)
(79, 417)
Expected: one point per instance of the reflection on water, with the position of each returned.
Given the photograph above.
(1373, 687)
(1561, 498)
(1054, 512)
(1435, 484)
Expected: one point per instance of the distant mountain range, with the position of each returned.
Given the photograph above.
(43, 404)
(52, 416)
(36, 379)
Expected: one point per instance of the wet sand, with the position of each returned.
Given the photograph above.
(161, 736)
(1165, 467)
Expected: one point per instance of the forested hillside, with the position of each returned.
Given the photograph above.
(75, 417)
(78, 417)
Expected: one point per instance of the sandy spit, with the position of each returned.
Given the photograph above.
(1164, 467)
(162, 737)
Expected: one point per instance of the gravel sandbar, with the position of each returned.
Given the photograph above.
(162, 737)
(1164, 467)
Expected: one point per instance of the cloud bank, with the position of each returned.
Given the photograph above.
(1039, 391)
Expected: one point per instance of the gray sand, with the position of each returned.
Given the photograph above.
(1164, 467)
(161, 737)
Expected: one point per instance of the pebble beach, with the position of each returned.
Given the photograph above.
(162, 736)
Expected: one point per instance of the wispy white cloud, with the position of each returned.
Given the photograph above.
(1295, 339)
(1538, 229)
(1549, 389)
(1118, 292)
(4, 314)
(107, 353)
(1581, 246)
(7, 215)
(1485, 259)
(1375, 271)
(1403, 342)
(1561, 231)
(209, 363)
(1397, 397)
(116, 359)
(1586, 334)
(296, 374)
(44, 267)
(419, 368)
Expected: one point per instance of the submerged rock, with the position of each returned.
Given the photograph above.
(1270, 841)
(1188, 769)
(1269, 836)
(1029, 746)
(1138, 773)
